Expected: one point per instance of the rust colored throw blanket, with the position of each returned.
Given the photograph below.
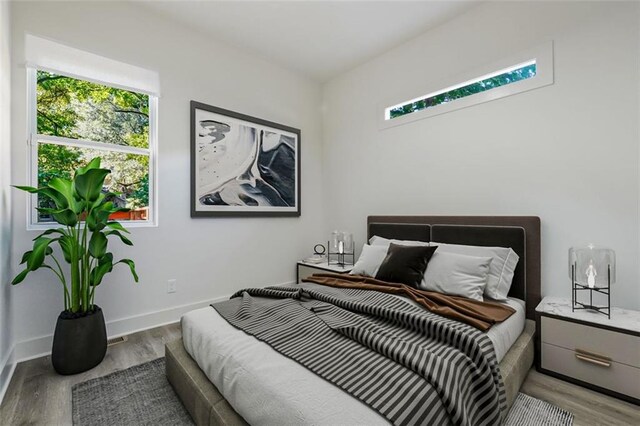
(481, 315)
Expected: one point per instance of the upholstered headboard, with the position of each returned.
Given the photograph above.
(521, 233)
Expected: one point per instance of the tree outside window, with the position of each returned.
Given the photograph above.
(77, 120)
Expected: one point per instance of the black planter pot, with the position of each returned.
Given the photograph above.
(80, 343)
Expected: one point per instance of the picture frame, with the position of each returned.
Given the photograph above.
(242, 166)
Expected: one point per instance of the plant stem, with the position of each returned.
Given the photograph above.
(75, 272)
(61, 278)
(92, 289)
(64, 283)
(85, 278)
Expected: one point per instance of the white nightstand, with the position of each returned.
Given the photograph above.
(586, 348)
(303, 270)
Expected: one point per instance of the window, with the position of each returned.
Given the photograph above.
(481, 84)
(76, 120)
(82, 105)
(528, 70)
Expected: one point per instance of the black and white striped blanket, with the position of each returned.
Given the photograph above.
(408, 364)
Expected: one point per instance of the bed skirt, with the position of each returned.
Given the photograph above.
(207, 406)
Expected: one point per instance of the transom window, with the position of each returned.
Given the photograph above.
(520, 72)
(73, 120)
(481, 84)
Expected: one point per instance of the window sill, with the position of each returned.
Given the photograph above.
(129, 224)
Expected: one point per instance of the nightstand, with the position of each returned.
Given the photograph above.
(303, 270)
(588, 349)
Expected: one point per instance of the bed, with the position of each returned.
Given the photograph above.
(212, 350)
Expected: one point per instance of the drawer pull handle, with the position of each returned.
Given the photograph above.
(593, 358)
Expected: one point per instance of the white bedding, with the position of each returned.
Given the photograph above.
(282, 391)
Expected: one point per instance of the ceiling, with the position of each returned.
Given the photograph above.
(318, 38)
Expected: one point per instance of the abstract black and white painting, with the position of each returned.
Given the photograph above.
(242, 166)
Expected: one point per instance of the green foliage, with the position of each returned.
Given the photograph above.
(523, 73)
(84, 244)
(141, 193)
(78, 109)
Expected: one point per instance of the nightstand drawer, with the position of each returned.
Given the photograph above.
(619, 347)
(598, 371)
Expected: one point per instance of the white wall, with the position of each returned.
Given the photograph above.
(567, 152)
(6, 325)
(210, 258)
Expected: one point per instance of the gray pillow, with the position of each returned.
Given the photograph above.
(501, 270)
(457, 274)
(370, 260)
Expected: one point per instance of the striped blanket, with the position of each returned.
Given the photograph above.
(410, 365)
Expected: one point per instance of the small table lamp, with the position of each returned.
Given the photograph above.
(591, 269)
(342, 247)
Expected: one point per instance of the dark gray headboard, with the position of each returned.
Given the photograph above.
(521, 233)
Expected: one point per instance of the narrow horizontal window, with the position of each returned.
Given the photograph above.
(523, 71)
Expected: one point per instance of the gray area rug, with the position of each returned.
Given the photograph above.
(141, 395)
(530, 411)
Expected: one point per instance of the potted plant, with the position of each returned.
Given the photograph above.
(84, 211)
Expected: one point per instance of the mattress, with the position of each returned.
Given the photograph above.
(282, 391)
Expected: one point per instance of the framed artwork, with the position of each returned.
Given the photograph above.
(242, 165)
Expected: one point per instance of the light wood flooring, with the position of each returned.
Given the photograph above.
(38, 396)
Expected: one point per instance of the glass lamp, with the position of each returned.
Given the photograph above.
(592, 270)
(341, 248)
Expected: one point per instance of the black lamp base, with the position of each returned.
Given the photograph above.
(580, 288)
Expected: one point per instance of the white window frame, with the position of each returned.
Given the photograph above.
(542, 55)
(33, 139)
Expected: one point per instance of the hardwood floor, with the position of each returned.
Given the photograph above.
(38, 396)
(588, 407)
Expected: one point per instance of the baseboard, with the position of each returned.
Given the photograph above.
(41, 346)
(7, 367)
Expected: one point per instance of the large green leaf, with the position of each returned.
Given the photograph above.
(132, 266)
(49, 232)
(104, 266)
(26, 256)
(40, 250)
(50, 193)
(66, 217)
(117, 226)
(93, 164)
(67, 244)
(103, 201)
(88, 185)
(64, 187)
(124, 239)
(20, 277)
(47, 210)
(97, 220)
(58, 198)
(98, 245)
(30, 189)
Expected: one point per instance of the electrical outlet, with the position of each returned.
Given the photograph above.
(171, 286)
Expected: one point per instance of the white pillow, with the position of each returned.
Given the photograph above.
(456, 274)
(381, 241)
(503, 264)
(370, 260)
